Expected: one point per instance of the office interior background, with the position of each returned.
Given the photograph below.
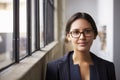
(32, 33)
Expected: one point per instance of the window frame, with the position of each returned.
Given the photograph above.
(16, 27)
(37, 38)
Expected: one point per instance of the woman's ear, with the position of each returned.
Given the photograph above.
(68, 37)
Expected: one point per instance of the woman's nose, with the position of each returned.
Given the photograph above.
(82, 36)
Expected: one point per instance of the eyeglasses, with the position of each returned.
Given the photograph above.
(86, 33)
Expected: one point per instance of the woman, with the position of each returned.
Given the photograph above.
(80, 64)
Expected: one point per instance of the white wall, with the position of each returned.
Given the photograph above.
(105, 17)
(102, 12)
(89, 6)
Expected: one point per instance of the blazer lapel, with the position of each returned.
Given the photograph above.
(64, 70)
(100, 68)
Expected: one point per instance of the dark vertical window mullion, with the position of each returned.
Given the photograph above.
(29, 27)
(45, 20)
(16, 30)
(46, 28)
(37, 31)
(52, 6)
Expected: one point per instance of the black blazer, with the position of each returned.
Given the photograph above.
(60, 69)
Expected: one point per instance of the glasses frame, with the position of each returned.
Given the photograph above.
(85, 32)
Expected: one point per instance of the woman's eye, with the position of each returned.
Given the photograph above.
(87, 31)
(76, 32)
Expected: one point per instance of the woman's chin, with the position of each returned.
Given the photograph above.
(83, 49)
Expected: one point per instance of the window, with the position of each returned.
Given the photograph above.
(41, 25)
(33, 25)
(25, 27)
(37, 37)
(48, 21)
(6, 33)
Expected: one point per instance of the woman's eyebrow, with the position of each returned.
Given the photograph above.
(75, 30)
(82, 29)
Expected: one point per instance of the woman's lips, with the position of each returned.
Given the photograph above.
(82, 43)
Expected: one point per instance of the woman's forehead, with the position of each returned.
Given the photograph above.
(81, 24)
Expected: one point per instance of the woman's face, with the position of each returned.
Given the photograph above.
(86, 36)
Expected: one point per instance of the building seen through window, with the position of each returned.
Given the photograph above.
(6, 32)
(23, 28)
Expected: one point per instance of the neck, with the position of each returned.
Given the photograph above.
(82, 57)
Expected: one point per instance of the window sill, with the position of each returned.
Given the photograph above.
(18, 70)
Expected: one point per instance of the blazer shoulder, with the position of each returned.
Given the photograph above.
(53, 68)
(100, 60)
(109, 66)
(59, 60)
(56, 64)
(110, 69)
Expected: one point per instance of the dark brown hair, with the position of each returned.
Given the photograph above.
(80, 15)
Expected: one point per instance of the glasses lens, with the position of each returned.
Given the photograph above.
(88, 32)
(75, 34)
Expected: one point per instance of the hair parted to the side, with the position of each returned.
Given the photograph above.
(80, 15)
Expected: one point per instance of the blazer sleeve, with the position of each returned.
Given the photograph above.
(111, 71)
(51, 72)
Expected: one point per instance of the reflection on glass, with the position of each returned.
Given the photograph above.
(41, 24)
(6, 32)
(23, 27)
(33, 25)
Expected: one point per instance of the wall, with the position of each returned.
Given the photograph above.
(117, 37)
(105, 18)
(88, 6)
(102, 13)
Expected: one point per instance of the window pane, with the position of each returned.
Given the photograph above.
(23, 27)
(41, 24)
(33, 25)
(48, 22)
(6, 33)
